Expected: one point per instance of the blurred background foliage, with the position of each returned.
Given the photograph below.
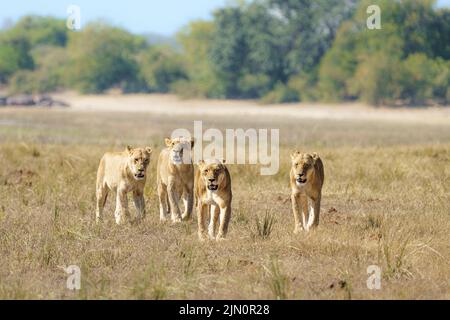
(276, 51)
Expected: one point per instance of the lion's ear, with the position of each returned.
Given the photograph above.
(223, 161)
(294, 154)
(315, 156)
(168, 142)
(129, 149)
(201, 163)
(148, 150)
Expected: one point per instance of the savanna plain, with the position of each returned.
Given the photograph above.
(386, 202)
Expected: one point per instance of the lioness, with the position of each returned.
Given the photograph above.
(307, 177)
(213, 192)
(176, 179)
(123, 172)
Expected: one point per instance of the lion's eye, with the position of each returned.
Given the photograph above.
(136, 160)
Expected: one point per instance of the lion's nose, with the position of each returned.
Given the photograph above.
(211, 180)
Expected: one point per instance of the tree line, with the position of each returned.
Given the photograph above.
(276, 51)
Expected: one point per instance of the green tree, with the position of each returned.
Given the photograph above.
(397, 63)
(42, 30)
(196, 39)
(102, 56)
(28, 33)
(160, 67)
(309, 29)
(229, 48)
(14, 55)
(48, 75)
(418, 80)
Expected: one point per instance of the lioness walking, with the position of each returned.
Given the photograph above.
(213, 192)
(306, 178)
(123, 172)
(176, 179)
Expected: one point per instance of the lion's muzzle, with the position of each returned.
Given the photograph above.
(300, 179)
(212, 186)
(139, 175)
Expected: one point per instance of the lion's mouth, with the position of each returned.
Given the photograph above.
(177, 160)
(301, 180)
(213, 187)
(139, 176)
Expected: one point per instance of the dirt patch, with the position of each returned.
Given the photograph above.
(173, 106)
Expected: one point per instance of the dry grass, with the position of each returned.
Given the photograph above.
(386, 202)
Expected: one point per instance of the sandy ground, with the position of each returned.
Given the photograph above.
(171, 105)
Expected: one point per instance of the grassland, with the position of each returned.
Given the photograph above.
(386, 203)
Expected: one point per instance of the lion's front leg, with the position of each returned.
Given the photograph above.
(188, 200)
(163, 202)
(174, 199)
(225, 216)
(214, 219)
(296, 210)
(305, 213)
(121, 206)
(314, 213)
(202, 212)
(139, 203)
(102, 194)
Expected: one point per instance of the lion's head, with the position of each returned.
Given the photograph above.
(180, 150)
(213, 173)
(138, 161)
(303, 166)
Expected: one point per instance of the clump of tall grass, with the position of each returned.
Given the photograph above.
(392, 251)
(277, 281)
(264, 227)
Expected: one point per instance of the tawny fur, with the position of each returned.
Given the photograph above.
(306, 180)
(217, 203)
(175, 180)
(123, 172)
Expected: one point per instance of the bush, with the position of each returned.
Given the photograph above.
(441, 82)
(305, 86)
(376, 80)
(419, 79)
(160, 68)
(281, 94)
(254, 86)
(48, 75)
(23, 81)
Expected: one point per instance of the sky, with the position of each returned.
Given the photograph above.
(164, 17)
